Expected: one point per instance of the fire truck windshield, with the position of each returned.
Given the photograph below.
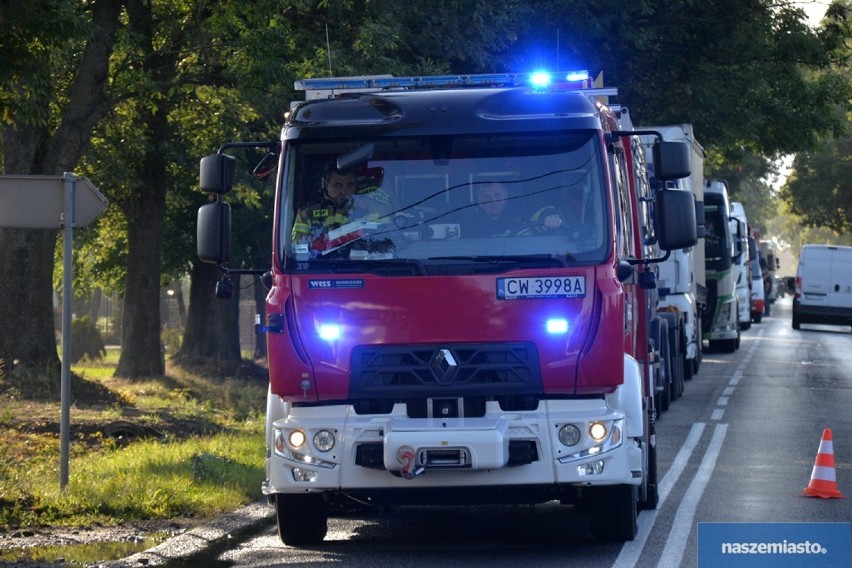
(436, 199)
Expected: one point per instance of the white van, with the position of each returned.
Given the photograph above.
(823, 286)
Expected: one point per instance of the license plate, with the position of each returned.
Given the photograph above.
(541, 287)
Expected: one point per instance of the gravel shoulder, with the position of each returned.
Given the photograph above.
(184, 537)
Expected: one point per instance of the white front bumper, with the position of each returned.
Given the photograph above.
(452, 452)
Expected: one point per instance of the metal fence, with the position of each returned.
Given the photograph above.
(106, 311)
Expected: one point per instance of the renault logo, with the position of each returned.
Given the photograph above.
(444, 366)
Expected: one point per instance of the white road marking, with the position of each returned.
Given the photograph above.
(631, 550)
(685, 517)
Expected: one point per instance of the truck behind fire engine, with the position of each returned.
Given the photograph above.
(721, 326)
(417, 357)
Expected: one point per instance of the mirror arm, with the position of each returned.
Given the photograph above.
(256, 271)
(635, 261)
(268, 144)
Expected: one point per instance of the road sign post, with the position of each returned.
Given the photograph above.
(53, 202)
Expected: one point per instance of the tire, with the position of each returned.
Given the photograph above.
(796, 323)
(699, 348)
(689, 366)
(675, 364)
(665, 366)
(614, 513)
(723, 345)
(679, 359)
(302, 518)
(757, 317)
(652, 490)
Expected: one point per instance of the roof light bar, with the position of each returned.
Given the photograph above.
(579, 80)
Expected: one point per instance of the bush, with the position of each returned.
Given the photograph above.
(86, 340)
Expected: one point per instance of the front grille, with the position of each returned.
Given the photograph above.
(406, 372)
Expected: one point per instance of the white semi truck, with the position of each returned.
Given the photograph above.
(721, 326)
(682, 284)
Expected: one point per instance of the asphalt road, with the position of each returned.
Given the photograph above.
(738, 446)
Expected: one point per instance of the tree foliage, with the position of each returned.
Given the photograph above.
(818, 190)
(142, 89)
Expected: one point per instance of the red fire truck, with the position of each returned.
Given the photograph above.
(463, 326)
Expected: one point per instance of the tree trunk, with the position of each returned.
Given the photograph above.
(146, 211)
(33, 145)
(27, 332)
(142, 355)
(212, 334)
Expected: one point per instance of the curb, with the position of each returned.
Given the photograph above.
(197, 539)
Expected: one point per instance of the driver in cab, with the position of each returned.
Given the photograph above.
(496, 216)
(340, 203)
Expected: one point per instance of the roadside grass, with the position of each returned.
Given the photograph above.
(187, 445)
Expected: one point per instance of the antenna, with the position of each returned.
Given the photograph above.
(328, 49)
(557, 50)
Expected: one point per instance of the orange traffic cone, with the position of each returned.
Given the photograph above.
(823, 482)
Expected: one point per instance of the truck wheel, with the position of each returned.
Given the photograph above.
(676, 355)
(688, 369)
(796, 322)
(699, 348)
(757, 316)
(665, 368)
(614, 513)
(652, 492)
(723, 345)
(302, 518)
(658, 333)
(678, 361)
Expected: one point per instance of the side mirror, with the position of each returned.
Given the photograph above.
(216, 173)
(675, 219)
(671, 160)
(214, 232)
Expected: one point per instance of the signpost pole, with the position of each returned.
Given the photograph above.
(42, 202)
(67, 278)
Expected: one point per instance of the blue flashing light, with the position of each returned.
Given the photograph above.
(330, 331)
(540, 79)
(557, 326)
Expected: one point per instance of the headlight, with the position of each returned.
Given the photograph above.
(324, 440)
(297, 439)
(597, 430)
(569, 435)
